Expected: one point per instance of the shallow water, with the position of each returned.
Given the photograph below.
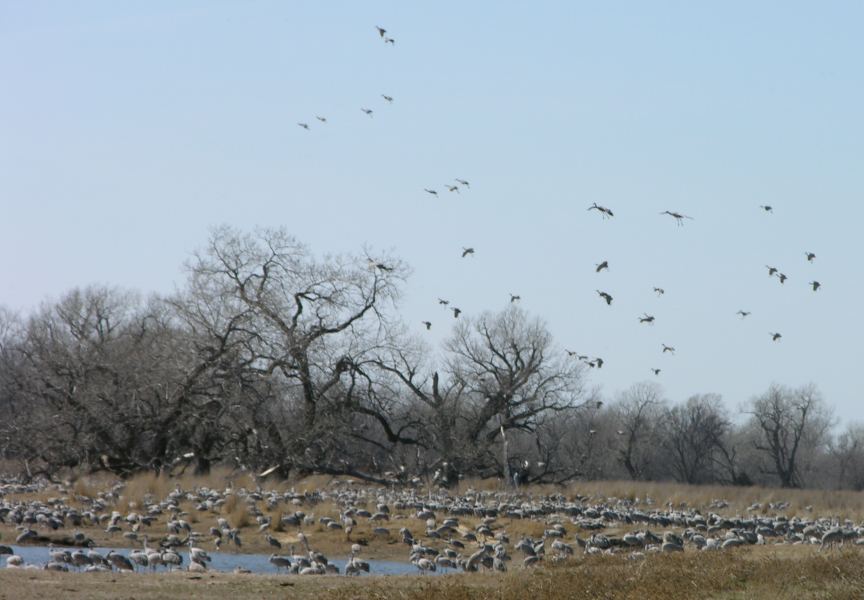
(222, 561)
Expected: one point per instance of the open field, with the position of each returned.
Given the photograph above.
(758, 573)
(778, 566)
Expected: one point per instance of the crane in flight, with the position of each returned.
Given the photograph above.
(462, 182)
(514, 297)
(744, 313)
(669, 349)
(659, 291)
(456, 312)
(605, 296)
(601, 266)
(605, 212)
(679, 218)
(810, 256)
(767, 208)
(443, 302)
(646, 318)
(656, 371)
(467, 251)
(815, 285)
(428, 324)
(775, 336)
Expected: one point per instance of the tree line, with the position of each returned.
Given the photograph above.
(272, 358)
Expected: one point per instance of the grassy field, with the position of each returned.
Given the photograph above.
(757, 572)
(752, 574)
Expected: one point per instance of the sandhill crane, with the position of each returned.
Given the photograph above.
(322, 119)
(453, 188)
(771, 270)
(831, 537)
(679, 218)
(171, 559)
(389, 40)
(428, 324)
(605, 296)
(605, 212)
(514, 297)
(646, 318)
(810, 256)
(601, 266)
(280, 562)
(462, 182)
(767, 208)
(428, 191)
(368, 111)
(381, 31)
(656, 371)
(669, 349)
(456, 312)
(119, 562)
(387, 98)
(659, 291)
(467, 251)
(272, 541)
(744, 313)
(816, 285)
(775, 336)
(782, 277)
(597, 362)
(304, 126)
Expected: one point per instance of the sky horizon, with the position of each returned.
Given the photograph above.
(132, 130)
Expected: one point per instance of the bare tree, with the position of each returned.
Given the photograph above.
(637, 414)
(305, 323)
(693, 434)
(790, 423)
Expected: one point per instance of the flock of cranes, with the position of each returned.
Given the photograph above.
(443, 530)
(605, 213)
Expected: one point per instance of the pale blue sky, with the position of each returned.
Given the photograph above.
(128, 129)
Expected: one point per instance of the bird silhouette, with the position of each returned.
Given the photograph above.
(766, 208)
(646, 318)
(453, 188)
(428, 191)
(605, 296)
(514, 297)
(775, 336)
(599, 362)
(428, 324)
(605, 212)
(443, 301)
(368, 111)
(387, 98)
(656, 371)
(381, 30)
(304, 126)
(679, 218)
(467, 251)
(659, 291)
(322, 119)
(810, 256)
(782, 277)
(816, 285)
(601, 266)
(669, 349)
(389, 40)
(771, 270)
(743, 313)
(456, 312)
(462, 182)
